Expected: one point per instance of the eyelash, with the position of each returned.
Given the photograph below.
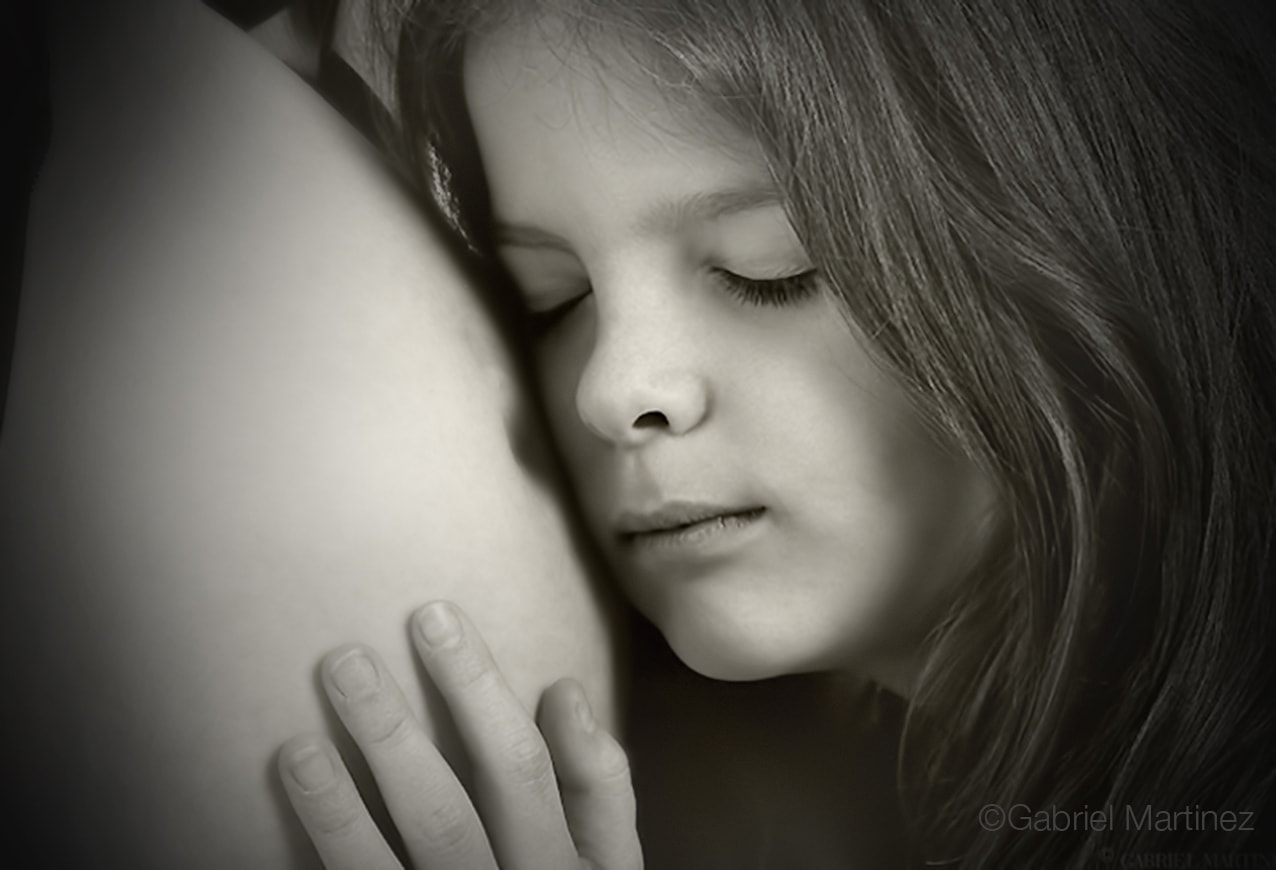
(773, 292)
(541, 322)
(770, 292)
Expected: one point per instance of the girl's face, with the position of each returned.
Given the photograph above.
(765, 494)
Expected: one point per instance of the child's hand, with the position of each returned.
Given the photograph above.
(563, 800)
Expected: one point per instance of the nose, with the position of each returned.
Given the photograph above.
(644, 379)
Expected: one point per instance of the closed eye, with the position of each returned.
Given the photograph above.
(773, 292)
(540, 322)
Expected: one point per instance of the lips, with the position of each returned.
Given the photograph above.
(678, 516)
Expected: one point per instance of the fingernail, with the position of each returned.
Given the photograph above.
(584, 715)
(438, 625)
(355, 676)
(310, 768)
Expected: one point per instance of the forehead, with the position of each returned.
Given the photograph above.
(584, 150)
(546, 79)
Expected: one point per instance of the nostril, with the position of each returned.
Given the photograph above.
(651, 419)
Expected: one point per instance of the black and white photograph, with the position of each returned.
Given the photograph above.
(622, 434)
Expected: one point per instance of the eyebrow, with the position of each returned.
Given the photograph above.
(667, 215)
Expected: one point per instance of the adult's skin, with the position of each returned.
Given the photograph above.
(255, 412)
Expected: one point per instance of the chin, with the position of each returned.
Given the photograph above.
(733, 655)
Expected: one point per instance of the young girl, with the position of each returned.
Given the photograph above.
(928, 342)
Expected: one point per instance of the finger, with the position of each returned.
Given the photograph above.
(594, 779)
(514, 775)
(430, 807)
(330, 808)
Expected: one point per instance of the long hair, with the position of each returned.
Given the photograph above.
(1054, 220)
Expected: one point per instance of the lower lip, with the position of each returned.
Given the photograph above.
(704, 535)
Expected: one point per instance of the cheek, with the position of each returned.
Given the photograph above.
(865, 469)
(923, 514)
(559, 365)
(896, 478)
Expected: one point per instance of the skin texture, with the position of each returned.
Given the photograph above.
(551, 793)
(663, 385)
(255, 412)
(706, 755)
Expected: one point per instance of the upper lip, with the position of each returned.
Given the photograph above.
(673, 515)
